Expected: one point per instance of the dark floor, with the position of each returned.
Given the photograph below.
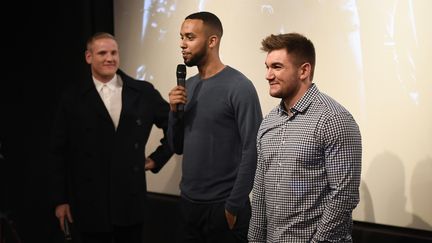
(163, 226)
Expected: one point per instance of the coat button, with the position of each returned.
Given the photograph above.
(136, 168)
(136, 145)
(139, 122)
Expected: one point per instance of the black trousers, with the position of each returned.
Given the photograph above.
(206, 223)
(119, 234)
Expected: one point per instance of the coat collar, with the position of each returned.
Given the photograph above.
(130, 93)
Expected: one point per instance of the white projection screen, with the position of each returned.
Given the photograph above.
(372, 56)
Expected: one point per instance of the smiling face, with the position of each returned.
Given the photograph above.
(287, 80)
(193, 42)
(103, 57)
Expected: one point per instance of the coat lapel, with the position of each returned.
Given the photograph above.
(92, 99)
(130, 95)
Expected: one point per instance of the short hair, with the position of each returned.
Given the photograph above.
(210, 20)
(98, 36)
(297, 45)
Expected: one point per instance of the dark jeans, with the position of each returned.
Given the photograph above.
(119, 234)
(206, 223)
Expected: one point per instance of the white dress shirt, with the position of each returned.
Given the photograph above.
(110, 93)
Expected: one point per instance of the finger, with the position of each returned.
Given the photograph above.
(61, 219)
(180, 95)
(177, 100)
(181, 100)
(148, 164)
(181, 88)
(178, 89)
(69, 216)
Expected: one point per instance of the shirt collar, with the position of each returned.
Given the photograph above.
(302, 104)
(113, 84)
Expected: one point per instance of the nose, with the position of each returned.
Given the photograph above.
(269, 74)
(182, 44)
(110, 57)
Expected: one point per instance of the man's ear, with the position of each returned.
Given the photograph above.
(88, 56)
(305, 71)
(213, 41)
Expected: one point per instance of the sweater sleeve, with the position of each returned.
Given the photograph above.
(248, 117)
(175, 133)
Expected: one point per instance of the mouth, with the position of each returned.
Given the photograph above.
(110, 66)
(185, 54)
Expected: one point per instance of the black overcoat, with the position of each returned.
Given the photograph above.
(99, 170)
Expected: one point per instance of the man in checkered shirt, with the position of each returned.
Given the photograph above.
(309, 154)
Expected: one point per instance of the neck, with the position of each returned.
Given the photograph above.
(290, 102)
(103, 79)
(210, 68)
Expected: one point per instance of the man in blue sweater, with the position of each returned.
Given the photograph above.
(216, 135)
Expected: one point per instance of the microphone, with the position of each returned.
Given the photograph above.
(67, 232)
(181, 76)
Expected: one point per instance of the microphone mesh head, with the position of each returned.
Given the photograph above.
(181, 71)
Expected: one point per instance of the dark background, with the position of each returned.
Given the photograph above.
(43, 45)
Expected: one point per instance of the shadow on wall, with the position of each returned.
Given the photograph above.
(385, 196)
(421, 189)
(364, 211)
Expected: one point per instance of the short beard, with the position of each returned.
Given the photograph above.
(197, 58)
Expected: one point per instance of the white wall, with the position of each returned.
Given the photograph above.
(372, 56)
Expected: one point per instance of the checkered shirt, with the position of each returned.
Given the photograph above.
(308, 173)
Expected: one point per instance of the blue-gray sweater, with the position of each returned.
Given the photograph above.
(217, 137)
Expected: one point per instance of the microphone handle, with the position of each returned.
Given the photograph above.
(67, 232)
(180, 82)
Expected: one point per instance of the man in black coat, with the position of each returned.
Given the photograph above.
(98, 143)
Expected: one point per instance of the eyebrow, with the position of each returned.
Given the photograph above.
(273, 64)
(188, 34)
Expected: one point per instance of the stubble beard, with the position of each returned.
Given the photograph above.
(197, 58)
